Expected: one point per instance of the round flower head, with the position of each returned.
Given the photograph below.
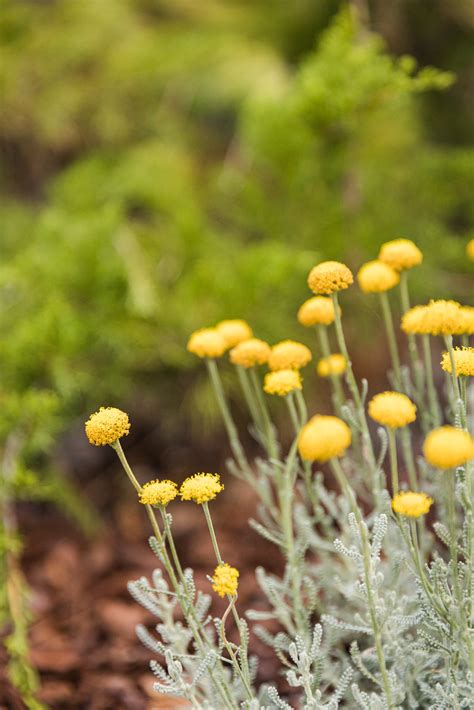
(158, 493)
(234, 331)
(400, 254)
(334, 364)
(414, 321)
(289, 355)
(329, 277)
(107, 426)
(201, 488)
(225, 580)
(467, 315)
(392, 409)
(411, 504)
(444, 318)
(448, 447)
(282, 382)
(376, 277)
(207, 342)
(463, 361)
(250, 352)
(470, 249)
(323, 438)
(318, 310)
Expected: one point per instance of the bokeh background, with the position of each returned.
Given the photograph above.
(166, 164)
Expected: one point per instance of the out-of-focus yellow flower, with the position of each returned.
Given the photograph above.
(467, 315)
(400, 254)
(411, 504)
(323, 438)
(463, 361)
(282, 382)
(158, 493)
(414, 321)
(376, 277)
(225, 580)
(334, 364)
(392, 409)
(201, 488)
(470, 249)
(207, 342)
(289, 355)
(250, 353)
(448, 447)
(234, 331)
(107, 426)
(329, 277)
(318, 310)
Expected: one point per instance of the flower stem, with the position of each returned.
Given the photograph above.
(413, 353)
(269, 429)
(432, 397)
(392, 340)
(337, 391)
(459, 407)
(392, 449)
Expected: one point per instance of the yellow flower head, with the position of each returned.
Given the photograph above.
(289, 355)
(448, 447)
(392, 409)
(107, 426)
(376, 277)
(467, 315)
(225, 580)
(414, 321)
(444, 318)
(400, 254)
(463, 361)
(329, 276)
(250, 352)
(234, 331)
(323, 438)
(158, 492)
(411, 504)
(207, 342)
(334, 364)
(470, 249)
(318, 310)
(201, 488)
(282, 382)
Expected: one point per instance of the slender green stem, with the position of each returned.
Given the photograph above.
(249, 396)
(432, 396)
(413, 352)
(392, 339)
(232, 433)
(392, 449)
(407, 449)
(293, 413)
(269, 429)
(244, 671)
(449, 484)
(123, 460)
(368, 573)
(459, 408)
(337, 391)
(359, 405)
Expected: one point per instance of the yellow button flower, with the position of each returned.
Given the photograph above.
(250, 353)
(201, 488)
(444, 318)
(158, 493)
(400, 254)
(463, 362)
(318, 310)
(234, 331)
(334, 364)
(207, 342)
(415, 321)
(282, 382)
(448, 447)
(324, 438)
(225, 580)
(392, 409)
(107, 426)
(329, 277)
(470, 249)
(376, 277)
(411, 504)
(289, 355)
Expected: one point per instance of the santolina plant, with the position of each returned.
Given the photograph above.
(375, 608)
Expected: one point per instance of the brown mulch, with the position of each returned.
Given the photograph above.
(82, 639)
